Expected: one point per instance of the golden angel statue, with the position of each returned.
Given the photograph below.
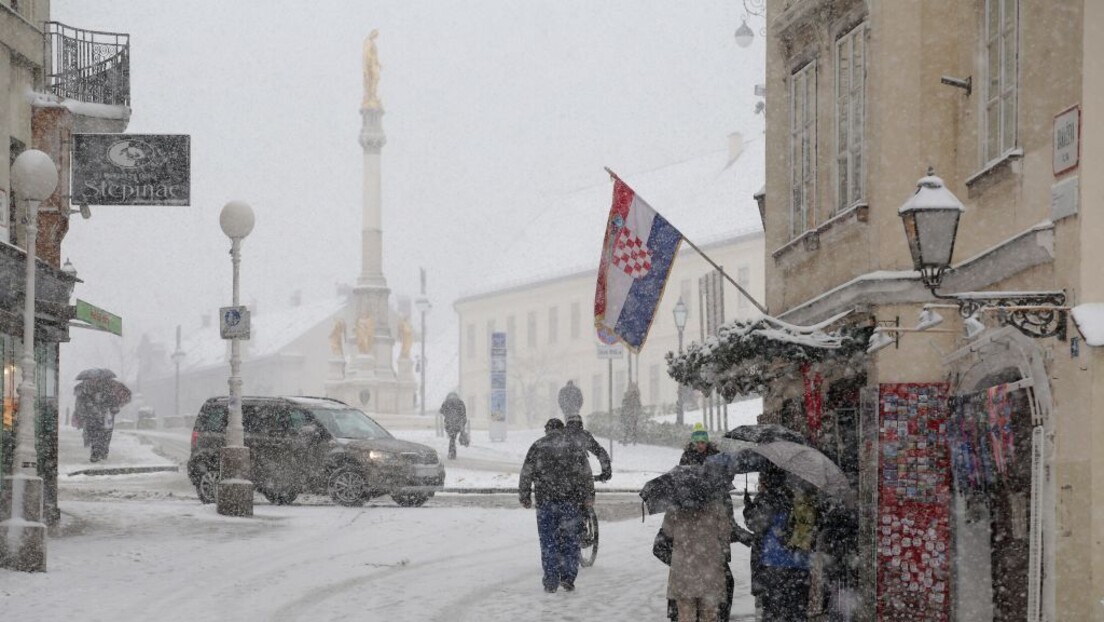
(337, 338)
(371, 73)
(365, 334)
(406, 337)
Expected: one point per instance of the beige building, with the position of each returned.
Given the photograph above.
(856, 114)
(548, 314)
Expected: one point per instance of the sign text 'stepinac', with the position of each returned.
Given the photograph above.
(131, 169)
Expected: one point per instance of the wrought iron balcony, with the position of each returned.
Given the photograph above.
(87, 65)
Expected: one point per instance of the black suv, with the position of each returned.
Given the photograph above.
(311, 444)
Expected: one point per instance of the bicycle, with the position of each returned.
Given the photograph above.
(588, 538)
(588, 534)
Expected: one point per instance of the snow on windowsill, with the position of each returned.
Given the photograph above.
(991, 167)
(1089, 319)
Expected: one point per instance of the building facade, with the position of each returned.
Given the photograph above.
(865, 97)
(53, 86)
(550, 336)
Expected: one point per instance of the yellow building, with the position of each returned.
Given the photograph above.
(547, 310)
(864, 97)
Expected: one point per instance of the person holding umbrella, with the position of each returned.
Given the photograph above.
(782, 520)
(699, 536)
(99, 398)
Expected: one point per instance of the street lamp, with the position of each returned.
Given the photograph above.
(235, 491)
(423, 306)
(34, 178)
(680, 313)
(744, 35)
(177, 356)
(931, 218)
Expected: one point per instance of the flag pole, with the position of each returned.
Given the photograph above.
(738, 287)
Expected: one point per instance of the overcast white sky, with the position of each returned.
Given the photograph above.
(488, 105)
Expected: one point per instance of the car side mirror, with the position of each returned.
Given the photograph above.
(310, 430)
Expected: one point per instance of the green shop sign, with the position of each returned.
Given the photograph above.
(99, 318)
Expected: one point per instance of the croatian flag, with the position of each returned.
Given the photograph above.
(637, 253)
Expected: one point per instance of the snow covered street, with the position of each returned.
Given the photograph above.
(141, 547)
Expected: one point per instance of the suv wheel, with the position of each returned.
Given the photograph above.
(207, 484)
(347, 486)
(410, 500)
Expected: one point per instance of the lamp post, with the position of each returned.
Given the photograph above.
(423, 306)
(177, 356)
(34, 178)
(680, 313)
(235, 491)
(930, 217)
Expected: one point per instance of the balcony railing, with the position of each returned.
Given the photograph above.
(87, 65)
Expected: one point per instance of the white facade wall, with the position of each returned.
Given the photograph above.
(564, 348)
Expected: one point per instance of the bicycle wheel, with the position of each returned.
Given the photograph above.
(588, 540)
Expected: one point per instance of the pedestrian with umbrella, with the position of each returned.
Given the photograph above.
(99, 398)
(695, 538)
(783, 517)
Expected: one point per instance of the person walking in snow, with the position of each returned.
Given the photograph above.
(456, 419)
(575, 431)
(571, 400)
(697, 450)
(700, 539)
(557, 472)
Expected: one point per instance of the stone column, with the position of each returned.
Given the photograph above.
(371, 289)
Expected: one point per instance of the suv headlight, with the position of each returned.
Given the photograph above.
(382, 456)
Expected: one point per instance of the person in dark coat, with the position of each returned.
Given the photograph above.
(779, 567)
(571, 400)
(456, 419)
(557, 471)
(575, 431)
(699, 447)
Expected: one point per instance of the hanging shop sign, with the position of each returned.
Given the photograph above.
(98, 318)
(914, 504)
(131, 169)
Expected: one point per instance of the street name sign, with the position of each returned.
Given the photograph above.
(1067, 140)
(98, 318)
(608, 352)
(234, 322)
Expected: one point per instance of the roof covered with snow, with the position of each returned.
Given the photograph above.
(270, 332)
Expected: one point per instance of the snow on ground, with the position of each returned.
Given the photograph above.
(745, 412)
(151, 555)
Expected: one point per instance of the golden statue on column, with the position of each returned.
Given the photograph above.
(371, 73)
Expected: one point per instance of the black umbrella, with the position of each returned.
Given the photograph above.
(765, 433)
(96, 373)
(685, 486)
(113, 393)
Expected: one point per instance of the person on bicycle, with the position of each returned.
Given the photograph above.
(557, 471)
(571, 403)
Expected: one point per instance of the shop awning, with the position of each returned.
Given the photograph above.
(746, 356)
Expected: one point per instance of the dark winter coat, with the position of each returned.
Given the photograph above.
(588, 443)
(691, 455)
(571, 399)
(455, 413)
(556, 469)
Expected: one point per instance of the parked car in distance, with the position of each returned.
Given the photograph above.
(312, 444)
